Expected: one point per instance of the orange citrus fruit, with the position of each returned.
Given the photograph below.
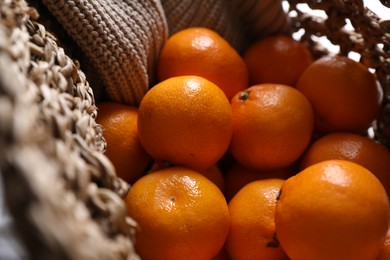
(124, 149)
(344, 94)
(385, 252)
(272, 126)
(352, 147)
(203, 52)
(277, 59)
(180, 214)
(237, 176)
(185, 120)
(252, 216)
(334, 209)
(214, 174)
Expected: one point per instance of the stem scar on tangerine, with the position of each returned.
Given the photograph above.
(279, 194)
(244, 95)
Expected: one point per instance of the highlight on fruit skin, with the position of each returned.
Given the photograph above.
(334, 209)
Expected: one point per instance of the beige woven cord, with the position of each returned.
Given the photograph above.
(62, 192)
(121, 38)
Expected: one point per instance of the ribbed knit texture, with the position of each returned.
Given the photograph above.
(260, 18)
(214, 14)
(121, 38)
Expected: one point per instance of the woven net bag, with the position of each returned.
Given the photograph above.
(62, 192)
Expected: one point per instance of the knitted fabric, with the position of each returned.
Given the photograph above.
(238, 21)
(122, 39)
(261, 18)
(214, 14)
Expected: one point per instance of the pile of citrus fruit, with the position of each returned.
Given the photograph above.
(259, 155)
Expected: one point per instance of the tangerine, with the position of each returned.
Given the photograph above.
(185, 120)
(352, 147)
(272, 126)
(124, 149)
(385, 252)
(344, 94)
(252, 216)
(214, 174)
(277, 59)
(203, 52)
(180, 214)
(334, 209)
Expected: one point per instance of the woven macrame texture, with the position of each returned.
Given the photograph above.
(369, 37)
(237, 21)
(61, 190)
(122, 39)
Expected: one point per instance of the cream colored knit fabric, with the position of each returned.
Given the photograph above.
(122, 38)
(213, 14)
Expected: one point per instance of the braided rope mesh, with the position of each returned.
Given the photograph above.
(355, 31)
(62, 191)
